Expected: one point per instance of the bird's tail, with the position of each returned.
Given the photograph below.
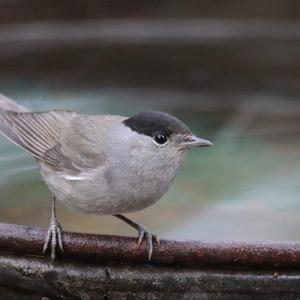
(7, 104)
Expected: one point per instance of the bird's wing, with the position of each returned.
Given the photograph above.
(85, 140)
(38, 133)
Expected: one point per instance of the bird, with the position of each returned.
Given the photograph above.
(100, 164)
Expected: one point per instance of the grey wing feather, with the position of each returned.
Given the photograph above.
(9, 104)
(38, 133)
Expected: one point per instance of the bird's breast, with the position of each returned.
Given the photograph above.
(109, 189)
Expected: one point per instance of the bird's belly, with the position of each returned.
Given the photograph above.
(102, 201)
(97, 196)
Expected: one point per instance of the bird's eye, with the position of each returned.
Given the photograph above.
(160, 138)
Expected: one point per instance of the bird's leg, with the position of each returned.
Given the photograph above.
(143, 234)
(54, 233)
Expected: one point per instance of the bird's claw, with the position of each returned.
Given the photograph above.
(54, 236)
(145, 234)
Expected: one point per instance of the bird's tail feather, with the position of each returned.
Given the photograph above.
(7, 104)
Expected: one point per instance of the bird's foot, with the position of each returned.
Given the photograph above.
(149, 237)
(54, 236)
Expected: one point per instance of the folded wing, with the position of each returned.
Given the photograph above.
(37, 132)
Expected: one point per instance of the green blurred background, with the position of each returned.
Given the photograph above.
(230, 70)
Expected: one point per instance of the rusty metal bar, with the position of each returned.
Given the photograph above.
(28, 277)
(104, 248)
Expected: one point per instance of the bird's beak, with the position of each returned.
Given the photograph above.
(194, 141)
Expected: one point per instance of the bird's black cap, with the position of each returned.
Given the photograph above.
(150, 123)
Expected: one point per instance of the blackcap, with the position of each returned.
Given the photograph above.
(101, 164)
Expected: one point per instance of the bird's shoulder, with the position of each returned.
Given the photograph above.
(83, 139)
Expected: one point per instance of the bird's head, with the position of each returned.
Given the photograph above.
(161, 135)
